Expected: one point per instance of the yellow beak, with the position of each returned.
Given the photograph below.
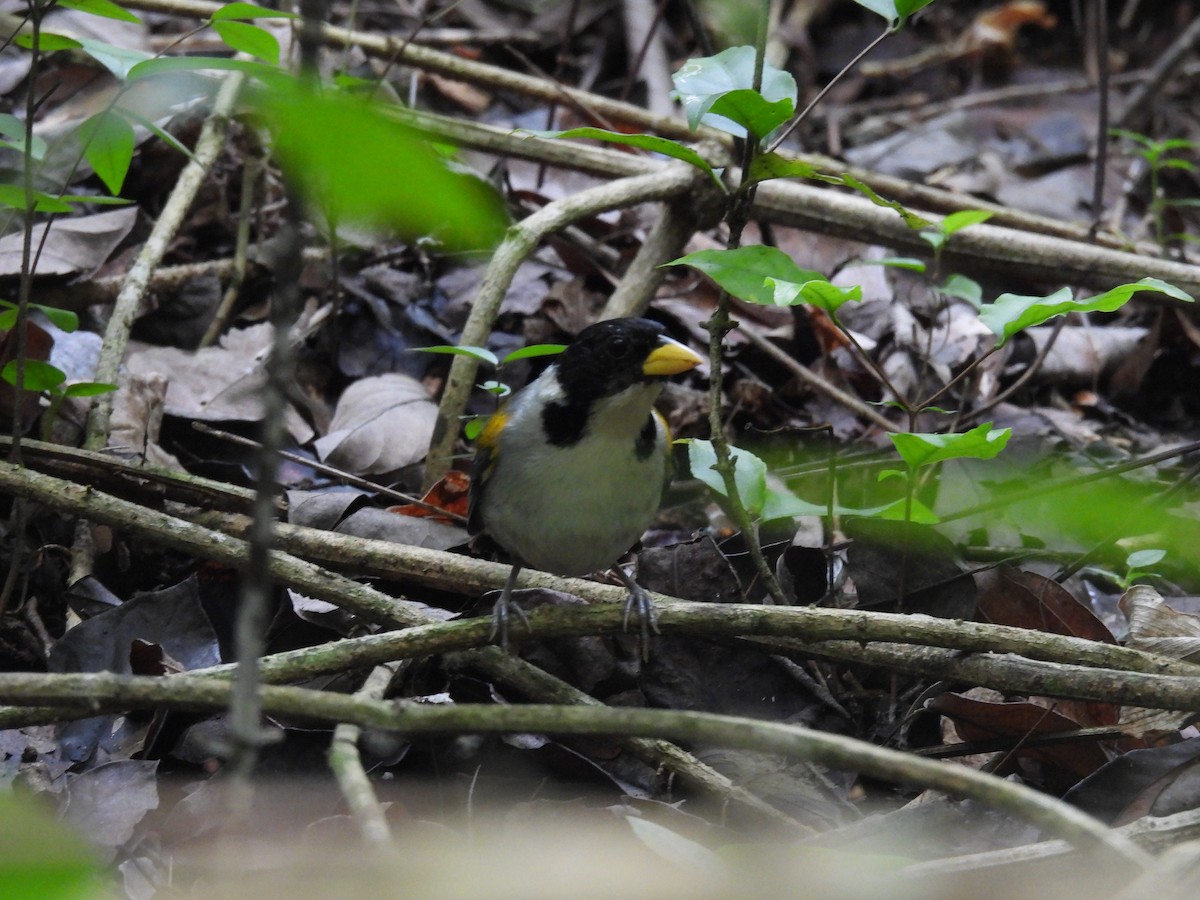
(670, 358)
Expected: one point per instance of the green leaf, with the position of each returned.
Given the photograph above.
(118, 60)
(915, 511)
(742, 272)
(165, 64)
(249, 11)
(910, 263)
(475, 427)
(63, 319)
(753, 111)
(95, 199)
(980, 442)
(360, 166)
(533, 351)
(895, 11)
(497, 388)
(104, 8)
(48, 42)
(108, 142)
(39, 376)
(818, 292)
(88, 389)
(249, 39)
(963, 288)
(480, 354)
(1011, 313)
(1140, 559)
(965, 218)
(765, 166)
(154, 128)
(13, 195)
(749, 473)
(13, 129)
(911, 219)
(701, 82)
(651, 142)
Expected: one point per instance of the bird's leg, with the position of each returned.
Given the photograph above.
(639, 606)
(504, 606)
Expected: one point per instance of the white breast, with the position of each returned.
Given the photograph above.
(575, 510)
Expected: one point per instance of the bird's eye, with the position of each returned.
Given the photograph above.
(618, 347)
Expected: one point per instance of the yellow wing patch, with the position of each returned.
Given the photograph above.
(490, 436)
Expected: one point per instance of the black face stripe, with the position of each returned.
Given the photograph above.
(646, 438)
(565, 423)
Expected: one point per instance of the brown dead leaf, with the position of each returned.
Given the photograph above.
(74, 246)
(381, 424)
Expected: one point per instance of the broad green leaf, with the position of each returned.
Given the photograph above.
(88, 389)
(8, 319)
(118, 60)
(498, 388)
(1011, 313)
(14, 195)
(749, 473)
(48, 42)
(475, 427)
(753, 111)
(108, 142)
(39, 376)
(911, 219)
(249, 39)
(360, 166)
(980, 442)
(154, 128)
(480, 354)
(651, 142)
(249, 11)
(534, 351)
(786, 505)
(818, 292)
(765, 166)
(963, 288)
(701, 82)
(104, 8)
(43, 857)
(742, 272)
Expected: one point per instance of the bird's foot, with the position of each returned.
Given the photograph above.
(502, 613)
(639, 607)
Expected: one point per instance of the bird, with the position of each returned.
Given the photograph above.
(570, 470)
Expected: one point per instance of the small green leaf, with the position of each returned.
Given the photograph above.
(103, 8)
(650, 142)
(920, 450)
(481, 354)
(753, 111)
(895, 11)
(911, 263)
(39, 376)
(911, 219)
(965, 218)
(475, 427)
(95, 199)
(13, 129)
(249, 11)
(118, 60)
(963, 288)
(48, 42)
(749, 473)
(63, 319)
(165, 64)
(915, 511)
(765, 166)
(533, 351)
(818, 292)
(13, 195)
(249, 39)
(742, 272)
(154, 128)
(8, 319)
(701, 82)
(1140, 559)
(108, 142)
(497, 388)
(88, 389)
(1011, 313)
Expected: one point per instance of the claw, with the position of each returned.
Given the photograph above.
(639, 606)
(504, 609)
